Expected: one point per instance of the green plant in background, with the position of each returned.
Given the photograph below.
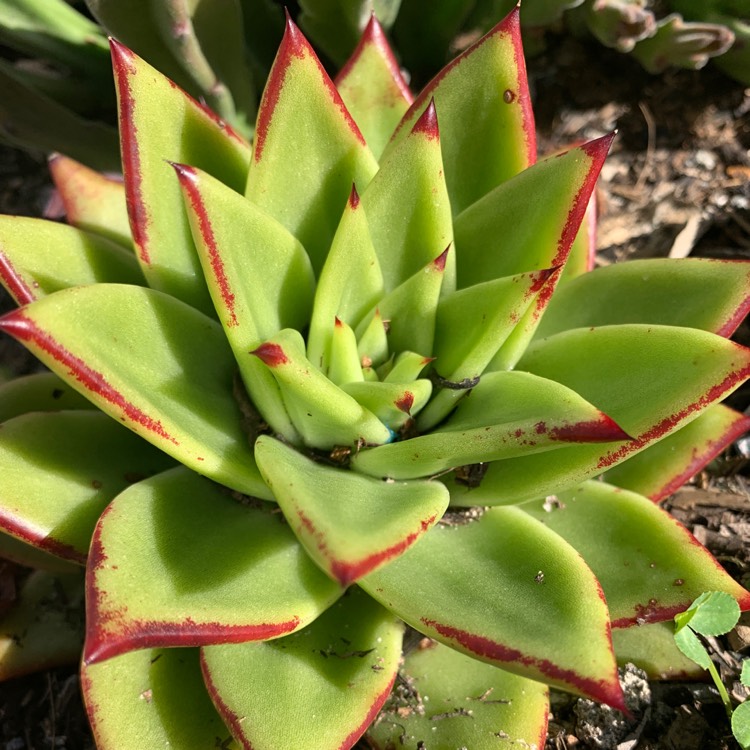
(56, 87)
(714, 613)
(354, 377)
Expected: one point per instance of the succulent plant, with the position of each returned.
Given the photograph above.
(356, 377)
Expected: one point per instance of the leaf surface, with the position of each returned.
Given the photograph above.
(662, 468)
(456, 701)
(38, 257)
(177, 588)
(654, 291)
(650, 566)
(42, 391)
(373, 88)
(59, 470)
(498, 139)
(177, 396)
(159, 122)
(411, 178)
(650, 379)
(152, 698)
(93, 202)
(316, 164)
(317, 689)
(475, 586)
(349, 524)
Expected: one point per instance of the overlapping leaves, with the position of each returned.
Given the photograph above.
(442, 337)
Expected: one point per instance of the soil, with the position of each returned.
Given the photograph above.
(677, 183)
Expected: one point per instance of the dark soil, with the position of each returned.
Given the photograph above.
(677, 183)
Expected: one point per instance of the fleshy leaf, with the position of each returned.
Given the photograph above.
(323, 414)
(344, 365)
(152, 698)
(93, 202)
(654, 291)
(475, 586)
(155, 593)
(453, 701)
(42, 391)
(349, 524)
(471, 326)
(664, 467)
(24, 554)
(498, 139)
(372, 343)
(373, 88)
(649, 566)
(58, 471)
(160, 122)
(38, 257)
(44, 629)
(350, 283)
(317, 164)
(179, 396)
(651, 379)
(508, 414)
(341, 668)
(407, 367)
(411, 177)
(541, 209)
(411, 308)
(258, 275)
(393, 404)
(652, 648)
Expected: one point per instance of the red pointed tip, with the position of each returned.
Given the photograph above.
(271, 354)
(337, 322)
(599, 147)
(602, 430)
(373, 33)
(427, 124)
(119, 52)
(353, 197)
(441, 260)
(13, 322)
(405, 403)
(185, 173)
(292, 35)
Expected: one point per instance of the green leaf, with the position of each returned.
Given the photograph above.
(177, 396)
(59, 470)
(394, 404)
(152, 698)
(93, 202)
(156, 593)
(745, 674)
(654, 291)
(648, 564)
(471, 326)
(349, 524)
(741, 725)
(687, 641)
(44, 628)
(38, 257)
(712, 613)
(652, 648)
(317, 164)
(476, 585)
(373, 88)
(487, 125)
(446, 700)
(662, 468)
(344, 363)
(42, 391)
(323, 414)
(651, 379)
(258, 275)
(350, 282)
(508, 414)
(411, 308)
(342, 668)
(541, 209)
(411, 177)
(159, 122)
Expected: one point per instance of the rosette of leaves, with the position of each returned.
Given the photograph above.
(355, 377)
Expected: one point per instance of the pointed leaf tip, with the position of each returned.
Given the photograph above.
(599, 147)
(428, 123)
(271, 354)
(603, 430)
(441, 260)
(185, 173)
(353, 197)
(405, 402)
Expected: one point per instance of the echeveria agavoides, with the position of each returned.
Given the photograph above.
(350, 388)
